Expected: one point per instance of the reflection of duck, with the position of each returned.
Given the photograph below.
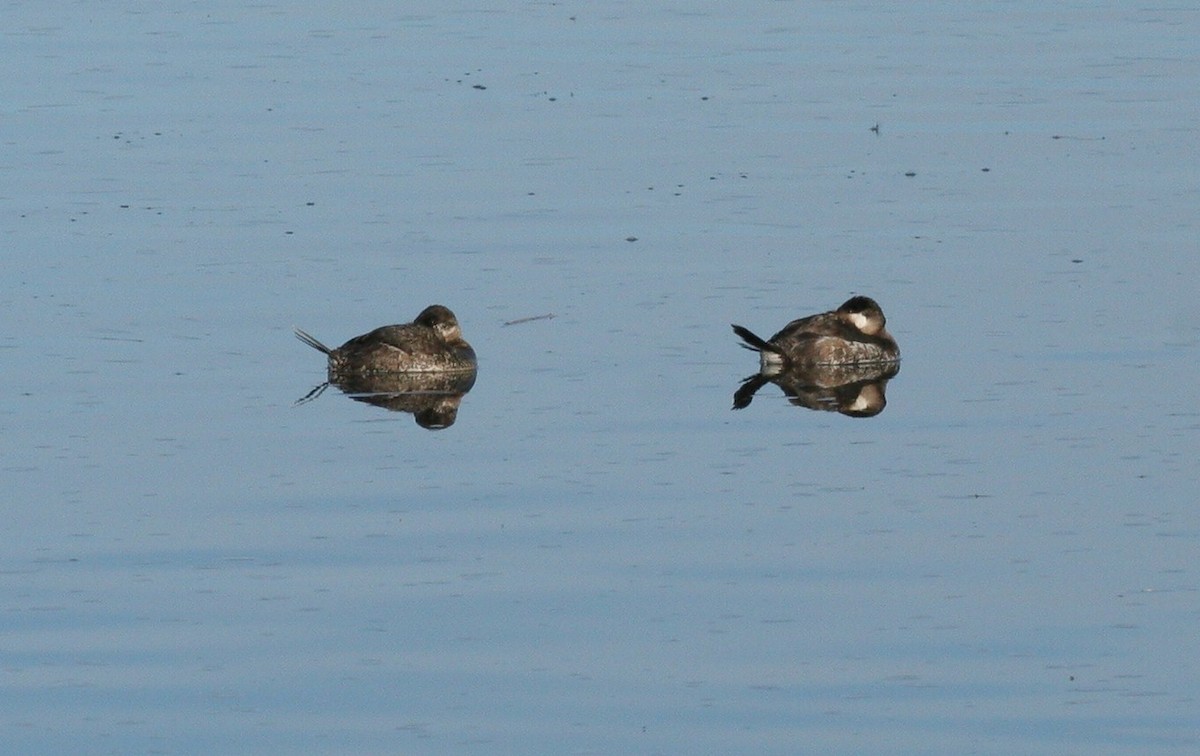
(854, 390)
(433, 398)
(432, 343)
(853, 334)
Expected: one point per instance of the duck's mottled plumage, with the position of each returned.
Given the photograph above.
(853, 334)
(432, 343)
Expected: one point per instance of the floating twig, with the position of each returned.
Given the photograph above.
(530, 319)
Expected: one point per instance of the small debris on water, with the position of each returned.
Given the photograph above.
(530, 319)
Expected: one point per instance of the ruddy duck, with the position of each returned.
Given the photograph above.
(853, 334)
(432, 343)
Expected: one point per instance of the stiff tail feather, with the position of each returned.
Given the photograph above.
(755, 343)
(312, 342)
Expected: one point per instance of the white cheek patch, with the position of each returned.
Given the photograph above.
(859, 320)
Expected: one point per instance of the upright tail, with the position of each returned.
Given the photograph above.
(753, 342)
(307, 339)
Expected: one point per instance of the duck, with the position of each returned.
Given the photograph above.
(853, 334)
(431, 343)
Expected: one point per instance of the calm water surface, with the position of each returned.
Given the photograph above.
(599, 556)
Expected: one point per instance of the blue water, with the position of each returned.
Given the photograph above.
(599, 556)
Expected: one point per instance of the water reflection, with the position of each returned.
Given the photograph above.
(432, 398)
(853, 390)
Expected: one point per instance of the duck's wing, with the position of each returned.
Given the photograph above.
(817, 324)
(827, 324)
(405, 337)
